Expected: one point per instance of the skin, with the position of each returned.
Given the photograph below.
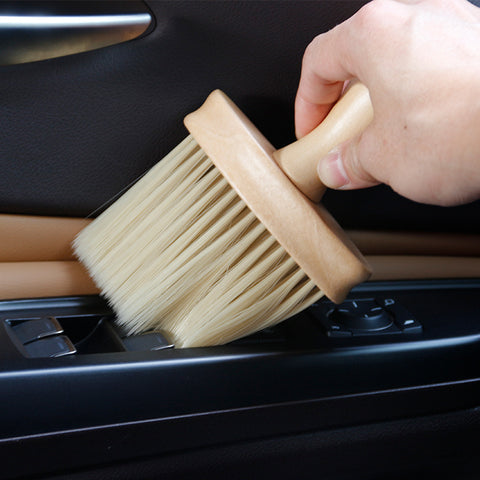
(421, 63)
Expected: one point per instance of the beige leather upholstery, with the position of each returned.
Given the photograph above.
(25, 238)
(64, 278)
(36, 259)
(413, 243)
(44, 279)
(416, 267)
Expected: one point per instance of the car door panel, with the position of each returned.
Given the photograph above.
(294, 401)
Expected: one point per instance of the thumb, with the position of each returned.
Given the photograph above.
(342, 168)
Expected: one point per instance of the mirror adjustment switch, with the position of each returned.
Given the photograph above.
(30, 330)
(403, 318)
(366, 317)
(361, 315)
(356, 317)
(50, 347)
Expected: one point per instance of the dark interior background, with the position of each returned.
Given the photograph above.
(76, 130)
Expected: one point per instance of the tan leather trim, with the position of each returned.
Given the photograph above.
(415, 267)
(44, 279)
(36, 259)
(414, 243)
(25, 238)
(50, 279)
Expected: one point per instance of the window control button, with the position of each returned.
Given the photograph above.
(34, 329)
(147, 341)
(55, 346)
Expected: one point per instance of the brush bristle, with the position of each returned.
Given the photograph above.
(180, 252)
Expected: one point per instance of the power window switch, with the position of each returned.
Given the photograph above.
(147, 341)
(36, 328)
(50, 347)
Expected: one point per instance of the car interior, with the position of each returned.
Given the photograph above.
(385, 385)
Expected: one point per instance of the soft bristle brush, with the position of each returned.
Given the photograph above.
(224, 236)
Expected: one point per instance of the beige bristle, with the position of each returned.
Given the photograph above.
(180, 252)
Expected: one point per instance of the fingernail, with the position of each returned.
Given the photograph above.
(331, 170)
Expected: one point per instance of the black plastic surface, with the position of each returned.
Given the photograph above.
(442, 446)
(297, 381)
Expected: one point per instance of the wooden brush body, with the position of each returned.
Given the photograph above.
(215, 243)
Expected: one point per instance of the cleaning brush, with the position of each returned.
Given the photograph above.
(217, 241)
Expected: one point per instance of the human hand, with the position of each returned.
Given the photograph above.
(421, 63)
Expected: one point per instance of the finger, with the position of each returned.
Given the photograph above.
(309, 113)
(344, 168)
(325, 68)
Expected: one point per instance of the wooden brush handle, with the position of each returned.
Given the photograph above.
(348, 118)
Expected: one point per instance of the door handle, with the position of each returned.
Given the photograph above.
(33, 31)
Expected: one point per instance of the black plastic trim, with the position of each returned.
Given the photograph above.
(106, 407)
(126, 441)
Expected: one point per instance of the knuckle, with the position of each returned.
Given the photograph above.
(369, 15)
(377, 15)
(311, 50)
